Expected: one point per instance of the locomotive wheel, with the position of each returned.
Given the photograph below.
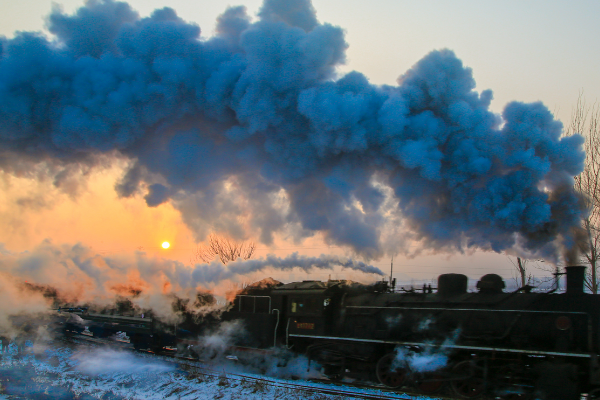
(431, 382)
(390, 378)
(472, 384)
(513, 383)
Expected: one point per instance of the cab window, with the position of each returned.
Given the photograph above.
(306, 305)
(252, 304)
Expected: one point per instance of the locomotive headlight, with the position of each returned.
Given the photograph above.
(563, 323)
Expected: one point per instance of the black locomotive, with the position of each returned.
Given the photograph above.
(516, 345)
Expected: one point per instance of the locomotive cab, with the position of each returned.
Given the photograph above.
(303, 307)
(307, 308)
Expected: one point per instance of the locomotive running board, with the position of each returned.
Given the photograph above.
(469, 309)
(452, 346)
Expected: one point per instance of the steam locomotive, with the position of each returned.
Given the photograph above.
(516, 345)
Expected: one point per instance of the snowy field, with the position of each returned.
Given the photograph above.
(101, 373)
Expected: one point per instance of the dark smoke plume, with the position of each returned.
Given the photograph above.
(254, 121)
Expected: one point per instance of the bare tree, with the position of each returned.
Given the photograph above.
(524, 276)
(585, 120)
(225, 248)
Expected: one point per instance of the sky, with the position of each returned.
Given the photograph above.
(524, 51)
(527, 51)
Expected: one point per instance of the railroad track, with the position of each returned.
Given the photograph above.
(323, 386)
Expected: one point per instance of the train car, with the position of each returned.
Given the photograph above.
(516, 345)
(139, 331)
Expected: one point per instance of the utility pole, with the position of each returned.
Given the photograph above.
(392, 284)
(557, 274)
(391, 269)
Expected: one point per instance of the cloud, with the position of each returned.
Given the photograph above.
(251, 132)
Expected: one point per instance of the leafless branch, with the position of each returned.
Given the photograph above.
(524, 275)
(585, 120)
(225, 248)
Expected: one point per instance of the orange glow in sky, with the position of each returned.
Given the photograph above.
(31, 212)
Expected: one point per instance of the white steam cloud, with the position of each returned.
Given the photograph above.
(78, 275)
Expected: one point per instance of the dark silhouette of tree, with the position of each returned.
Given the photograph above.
(225, 248)
(585, 120)
(521, 267)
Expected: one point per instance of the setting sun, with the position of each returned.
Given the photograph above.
(166, 245)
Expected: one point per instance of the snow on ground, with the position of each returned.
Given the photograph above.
(84, 373)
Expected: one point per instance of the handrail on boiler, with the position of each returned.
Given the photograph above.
(276, 326)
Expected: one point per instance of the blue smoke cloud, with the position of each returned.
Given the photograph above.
(258, 111)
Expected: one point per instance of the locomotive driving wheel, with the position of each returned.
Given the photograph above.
(389, 374)
(470, 380)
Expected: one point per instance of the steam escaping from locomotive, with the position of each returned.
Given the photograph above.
(431, 358)
(217, 342)
(428, 361)
(216, 345)
(77, 275)
(255, 121)
(53, 264)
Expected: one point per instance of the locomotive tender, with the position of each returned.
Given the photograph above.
(508, 345)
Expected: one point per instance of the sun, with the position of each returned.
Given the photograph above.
(166, 245)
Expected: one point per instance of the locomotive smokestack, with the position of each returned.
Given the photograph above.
(575, 279)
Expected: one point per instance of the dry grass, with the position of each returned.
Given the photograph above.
(259, 387)
(224, 381)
